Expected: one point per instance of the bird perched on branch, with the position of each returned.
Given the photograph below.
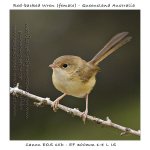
(76, 77)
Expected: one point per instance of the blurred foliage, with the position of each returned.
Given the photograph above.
(83, 33)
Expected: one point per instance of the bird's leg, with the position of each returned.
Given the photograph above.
(56, 102)
(84, 114)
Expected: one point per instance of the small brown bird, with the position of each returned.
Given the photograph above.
(76, 77)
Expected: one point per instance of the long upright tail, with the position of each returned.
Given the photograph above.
(115, 43)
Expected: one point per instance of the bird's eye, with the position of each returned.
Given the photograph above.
(64, 65)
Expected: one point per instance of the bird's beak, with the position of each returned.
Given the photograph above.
(53, 66)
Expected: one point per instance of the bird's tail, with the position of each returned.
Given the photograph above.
(115, 43)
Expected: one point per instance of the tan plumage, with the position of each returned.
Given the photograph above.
(76, 77)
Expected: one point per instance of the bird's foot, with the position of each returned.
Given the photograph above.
(56, 102)
(84, 116)
(55, 105)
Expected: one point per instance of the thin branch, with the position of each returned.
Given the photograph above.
(16, 91)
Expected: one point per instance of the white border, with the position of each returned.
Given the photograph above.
(4, 76)
(23, 4)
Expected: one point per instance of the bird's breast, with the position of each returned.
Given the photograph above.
(72, 86)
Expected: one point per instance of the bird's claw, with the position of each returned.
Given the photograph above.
(55, 105)
(84, 116)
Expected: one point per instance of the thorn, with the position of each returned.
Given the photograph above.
(77, 109)
(17, 86)
(40, 104)
(47, 99)
(15, 90)
(108, 120)
(125, 132)
(72, 114)
(122, 133)
(68, 111)
(37, 104)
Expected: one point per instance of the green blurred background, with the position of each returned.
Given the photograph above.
(82, 33)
